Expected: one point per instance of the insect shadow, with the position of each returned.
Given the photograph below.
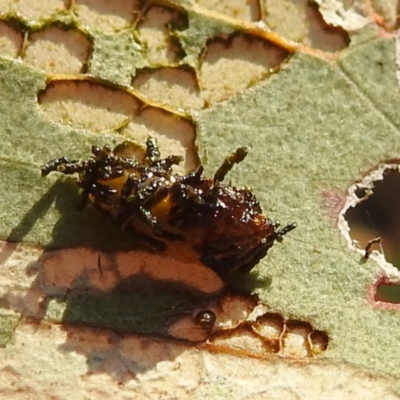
(90, 228)
(37, 212)
(87, 228)
(104, 325)
(136, 305)
(135, 315)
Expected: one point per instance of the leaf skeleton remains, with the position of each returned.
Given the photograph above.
(222, 223)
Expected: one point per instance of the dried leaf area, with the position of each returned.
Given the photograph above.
(125, 292)
(244, 326)
(149, 58)
(101, 108)
(81, 288)
(152, 49)
(100, 364)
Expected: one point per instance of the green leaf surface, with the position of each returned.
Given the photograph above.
(312, 128)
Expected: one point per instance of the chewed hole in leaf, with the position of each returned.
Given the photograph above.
(176, 87)
(106, 16)
(295, 341)
(10, 40)
(85, 104)
(287, 18)
(321, 35)
(246, 10)
(155, 32)
(388, 293)
(377, 213)
(37, 11)
(318, 342)
(58, 51)
(270, 326)
(302, 21)
(98, 108)
(175, 135)
(255, 58)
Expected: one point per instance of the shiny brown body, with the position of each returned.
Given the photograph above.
(222, 223)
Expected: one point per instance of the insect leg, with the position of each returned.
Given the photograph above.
(235, 158)
(152, 151)
(130, 206)
(110, 172)
(125, 162)
(181, 191)
(137, 202)
(99, 191)
(63, 165)
(102, 192)
(151, 220)
(369, 246)
(129, 188)
(105, 157)
(193, 177)
(280, 233)
(101, 153)
(168, 162)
